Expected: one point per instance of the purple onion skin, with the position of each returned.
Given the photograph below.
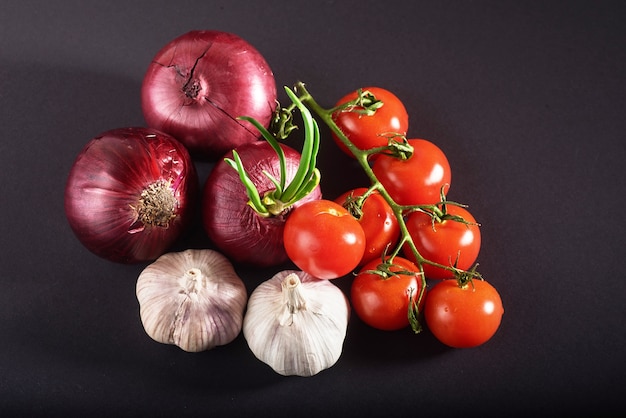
(105, 184)
(234, 227)
(197, 86)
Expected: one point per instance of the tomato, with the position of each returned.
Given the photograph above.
(463, 316)
(384, 302)
(417, 180)
(450, 241)
(323, 239)
(365, 131)
(377, 220)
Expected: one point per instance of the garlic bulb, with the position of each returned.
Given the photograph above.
(296, 323)
(192, 299)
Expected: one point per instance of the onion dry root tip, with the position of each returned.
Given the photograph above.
(156, 205)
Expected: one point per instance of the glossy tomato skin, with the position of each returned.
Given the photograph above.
(383, 303)
(367, 132)
(463, 317)
(323, 239)
(377, 220)
(449, 242)
(417, 180)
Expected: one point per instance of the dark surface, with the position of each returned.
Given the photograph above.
(526, 98)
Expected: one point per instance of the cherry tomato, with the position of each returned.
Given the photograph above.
(365, 131)
(377, 220)
(417, 180)
(323, 239)
(463, 316)
(383, 302)
(448, 243)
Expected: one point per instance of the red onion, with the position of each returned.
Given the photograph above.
(199, 84)
(232, 224)
(130, 193)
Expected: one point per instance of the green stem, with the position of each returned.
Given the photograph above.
(309, 150)
(253, 194)
(361, 157)
(307, 176)
(275, 145)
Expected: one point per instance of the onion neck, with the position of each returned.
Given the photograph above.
(274, 206)
(156, 207)
(192, 88)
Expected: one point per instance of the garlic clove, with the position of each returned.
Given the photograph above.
(296, 323)
(192, 299)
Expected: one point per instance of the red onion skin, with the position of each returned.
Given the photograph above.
(234, 227)
(105, 184)
(197, 86)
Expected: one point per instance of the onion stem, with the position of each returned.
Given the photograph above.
(253, 194)
(306, 178)
(309, 149)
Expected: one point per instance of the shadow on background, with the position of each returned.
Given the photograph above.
(69, 319)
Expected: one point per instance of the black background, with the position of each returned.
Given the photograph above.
(527, 99)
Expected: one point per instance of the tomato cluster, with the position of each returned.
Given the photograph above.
(398, 231)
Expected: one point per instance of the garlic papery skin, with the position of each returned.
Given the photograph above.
(193, 299)
(296, 323)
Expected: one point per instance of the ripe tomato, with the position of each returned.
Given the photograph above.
(384, 302)
(377, 220)
(463, 316)
(417, 180)
(450, 241)
(323, 239)
(365, 131)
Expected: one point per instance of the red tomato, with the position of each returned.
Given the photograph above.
(450, 241)
(417, 180)
(367, 132)
(377, 220)
(463, 316)
(323, 239)
(384, 302)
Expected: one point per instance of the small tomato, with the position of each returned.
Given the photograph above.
(384, 301)
(463, 316)
(323, 239)
(376, 218)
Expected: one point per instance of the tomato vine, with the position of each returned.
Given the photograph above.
(397, 147)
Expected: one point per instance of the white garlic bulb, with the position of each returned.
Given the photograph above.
(296, 323)
(193, 299)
